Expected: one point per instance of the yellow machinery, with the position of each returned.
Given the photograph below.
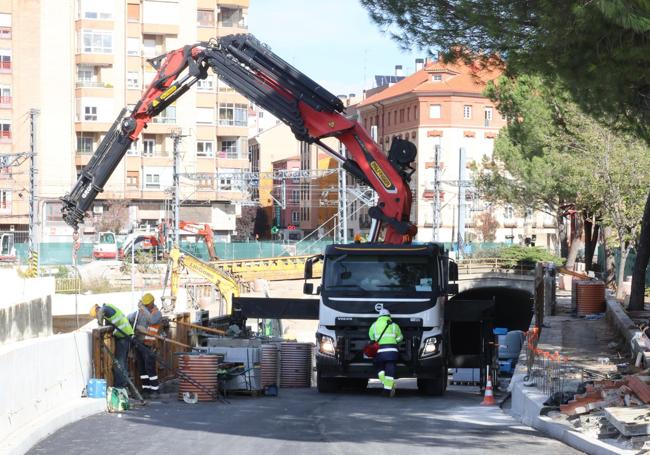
(225, 283)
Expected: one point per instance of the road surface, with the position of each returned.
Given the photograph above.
(301, 421)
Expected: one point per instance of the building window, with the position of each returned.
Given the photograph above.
(205, 148)
(133, 179)
(5, 61)
(204, 115)
(148, 147)
(415, 112)
(90, 113)
(84, 144)
(205, 17)
(152, 181)
(295, 217)
(295, 196)
(205, 84)
(85, 73)
(133, 12)
(434, 111)
(5, 26)
(488, 116)
(133, 46)
(231, 17)
(233, 114)
(133, 80)
(436, 77)
(133, 149)
(229, 148)
(508, 212)
(223, 87)
(96, 42)
(395, 118)
(5, 96)
(467, 111)
(5, 200)
(401, 115)
(96, 9)
(225, 179)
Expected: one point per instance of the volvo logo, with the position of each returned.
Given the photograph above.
(379, 307)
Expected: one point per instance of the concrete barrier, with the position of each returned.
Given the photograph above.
(41, 383)
(25, 307)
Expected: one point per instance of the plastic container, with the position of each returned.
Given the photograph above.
(96, 388)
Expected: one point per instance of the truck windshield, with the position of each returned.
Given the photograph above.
(380, 273)
(107, 237)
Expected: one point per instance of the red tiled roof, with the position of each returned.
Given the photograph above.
(459, 77)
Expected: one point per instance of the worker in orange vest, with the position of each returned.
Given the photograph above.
(147, 322)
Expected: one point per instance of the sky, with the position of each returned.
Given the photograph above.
(333, 42)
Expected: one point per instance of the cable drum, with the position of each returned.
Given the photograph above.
(269, 363)
(296, 364)
(201, 368)
(590, 297)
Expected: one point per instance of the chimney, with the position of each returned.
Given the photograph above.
(398, 70)
(419, 64)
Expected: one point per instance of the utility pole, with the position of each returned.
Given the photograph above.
(461, 200)
(33, 198)
(436, 195)
(342, 223)
(177, 136)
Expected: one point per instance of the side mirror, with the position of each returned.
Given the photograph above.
(453, 271)
(309, 266)
(452, 288)
(308, 288)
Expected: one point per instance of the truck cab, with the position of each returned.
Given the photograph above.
(411, 281)
(105, 247)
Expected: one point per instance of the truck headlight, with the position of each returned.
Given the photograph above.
(430, 347)
(326, 345)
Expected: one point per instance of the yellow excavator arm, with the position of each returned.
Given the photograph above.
(227, 285)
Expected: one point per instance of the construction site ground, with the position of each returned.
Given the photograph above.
(303, 421)
(599, 356)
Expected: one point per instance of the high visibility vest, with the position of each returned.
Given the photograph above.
(392, 335)
(152, 329)
(119, 321)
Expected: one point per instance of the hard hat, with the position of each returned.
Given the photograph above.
(384, 312)
(147, 299)
(93, 311)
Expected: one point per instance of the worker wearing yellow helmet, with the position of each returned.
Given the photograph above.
(147, 322)
(109, 314)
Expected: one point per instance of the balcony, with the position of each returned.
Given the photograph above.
(93, 84)
(5, 66)
(5, 136)
(5, 32)
(5, 101)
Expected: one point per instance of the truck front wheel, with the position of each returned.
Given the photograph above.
(326, 385)
(433, 387)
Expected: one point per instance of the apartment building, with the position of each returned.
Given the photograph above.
(79, 62)
(442, 105)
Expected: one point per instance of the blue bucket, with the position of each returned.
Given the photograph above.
(96, 388)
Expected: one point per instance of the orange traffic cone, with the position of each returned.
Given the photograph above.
(488, 399)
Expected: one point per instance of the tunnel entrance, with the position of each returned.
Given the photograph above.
(513, 308)
(472, 314)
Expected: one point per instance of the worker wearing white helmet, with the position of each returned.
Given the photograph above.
(388, 335)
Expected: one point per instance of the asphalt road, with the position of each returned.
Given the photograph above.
(301, 421)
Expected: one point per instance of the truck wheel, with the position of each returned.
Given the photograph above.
(433, 387)
(326, 385)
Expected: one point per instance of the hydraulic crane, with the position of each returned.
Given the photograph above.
(311, 112)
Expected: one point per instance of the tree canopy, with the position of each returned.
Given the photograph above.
(600, 49)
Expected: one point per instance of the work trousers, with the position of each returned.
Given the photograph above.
(121, 355)
(146, 359)
(385, 364)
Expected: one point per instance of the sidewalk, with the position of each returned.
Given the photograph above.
(593, 347)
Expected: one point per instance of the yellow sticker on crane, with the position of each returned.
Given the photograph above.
(168, 92)
(379, 172)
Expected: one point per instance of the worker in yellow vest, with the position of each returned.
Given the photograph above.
(147, 322)
(109, 314)
(388, 335)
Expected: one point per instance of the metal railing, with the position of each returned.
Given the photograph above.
(494, 265)
(67, 285)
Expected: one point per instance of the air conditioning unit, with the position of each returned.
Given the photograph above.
(98, 209)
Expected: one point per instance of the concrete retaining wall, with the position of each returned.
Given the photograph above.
(25, 307)
(39, 378)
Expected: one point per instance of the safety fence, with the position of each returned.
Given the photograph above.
(549, 371)
(470, 266)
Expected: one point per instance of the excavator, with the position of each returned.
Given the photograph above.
(205, 231)
(410, 280)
